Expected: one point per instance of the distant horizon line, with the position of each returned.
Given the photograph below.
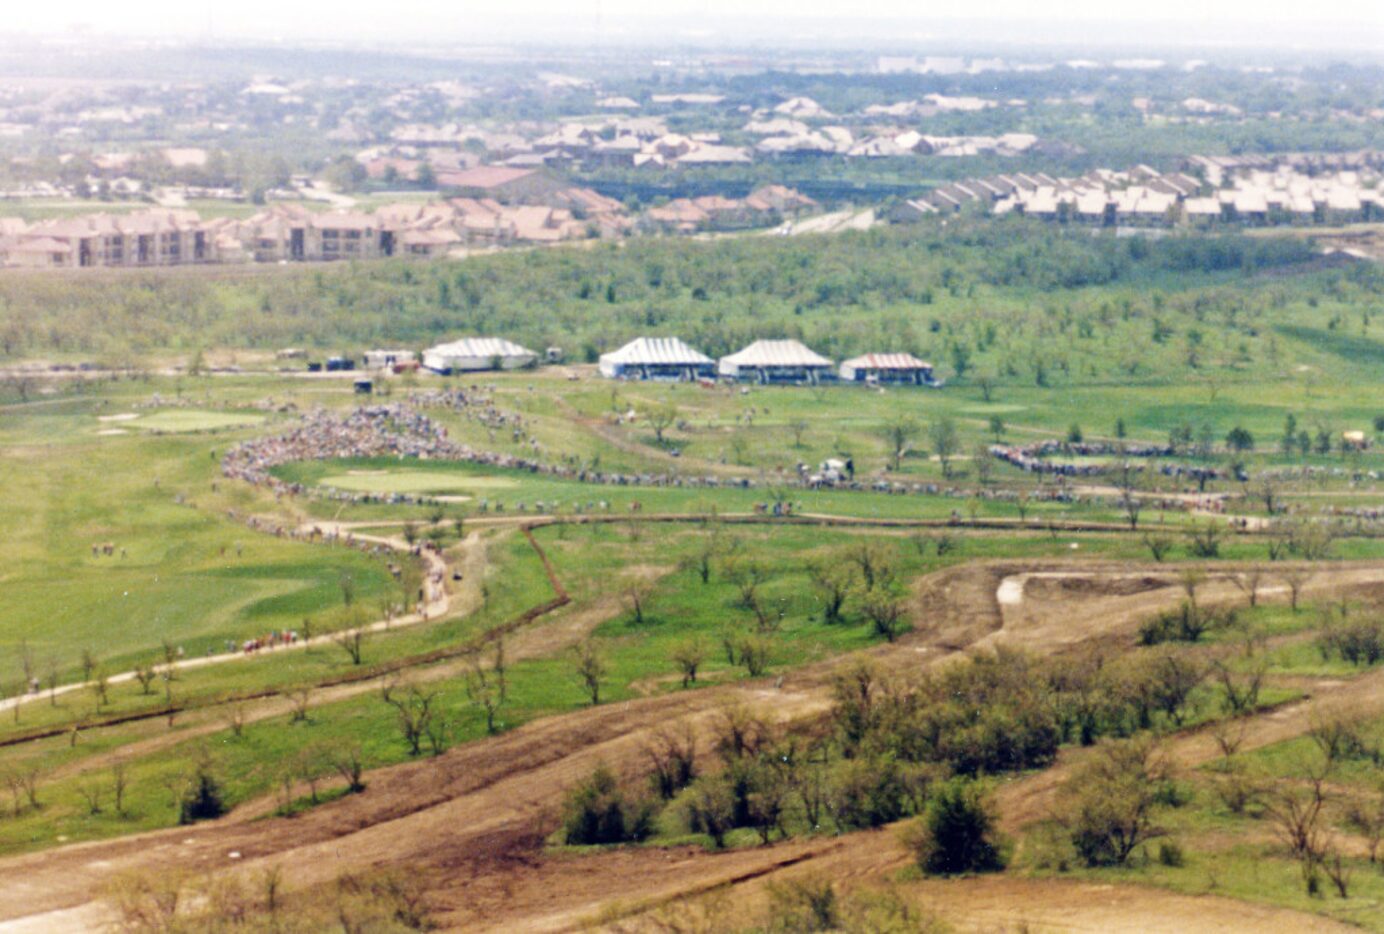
(894, 35)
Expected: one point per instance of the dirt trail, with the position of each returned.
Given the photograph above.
(476, 814)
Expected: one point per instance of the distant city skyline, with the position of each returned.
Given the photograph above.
(1355, 24)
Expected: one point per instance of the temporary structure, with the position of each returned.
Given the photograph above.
(657, 358)
(478, 353)
(777, 362)
(379, 359)
(895, 368)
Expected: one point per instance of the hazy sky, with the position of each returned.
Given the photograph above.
(1359, 22)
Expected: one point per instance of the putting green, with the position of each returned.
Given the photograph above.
(996, 408)
(415, 481)
(195, 420)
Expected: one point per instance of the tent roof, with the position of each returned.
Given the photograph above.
(776, 353)
(481, 347)
(656, 351)
(887, 361)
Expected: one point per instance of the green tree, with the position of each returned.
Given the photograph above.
(956, 834)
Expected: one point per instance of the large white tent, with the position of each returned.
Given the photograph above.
(478, 353)
(896, 368)
(657, 358)
(783, 361)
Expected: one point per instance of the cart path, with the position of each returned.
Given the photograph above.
(438, 602)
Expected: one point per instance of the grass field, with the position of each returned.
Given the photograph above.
(415, 481)
(185, 568)
(178, 420)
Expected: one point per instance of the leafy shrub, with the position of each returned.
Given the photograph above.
(1360, 642)
(1187, 623)
(956, 833)
(203, 798)
(597, 812)
(868, 793)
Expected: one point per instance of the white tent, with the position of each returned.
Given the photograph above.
(478, 353)
(888, 368)
(656, 358)
(777, 362)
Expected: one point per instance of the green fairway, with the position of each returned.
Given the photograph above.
(415, 481)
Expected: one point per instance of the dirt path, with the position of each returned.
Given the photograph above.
(477, 814)
(438, 602)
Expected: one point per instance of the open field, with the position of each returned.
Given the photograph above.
(574, 535)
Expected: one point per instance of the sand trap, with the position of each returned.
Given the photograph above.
(179, 420)
(1011, 590)
(120, 417)
(112, 431)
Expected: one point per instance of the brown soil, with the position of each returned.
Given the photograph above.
(475, 817)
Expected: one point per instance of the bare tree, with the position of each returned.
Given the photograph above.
(1367, 819)
(673, 759)
(1205, 540)
(52, 680)
(349, 764)
(414, 711)
(1158, 546)
(146, 675)
(1295, 580)
(100, 687)
(88, 660)
(943, 437)
(483, 692)
(352, 642)
(873, 562)
(1127, 477)
(90, 789)
(591, 668)
(899, 436)
(1338, 871)
(300, 699)
(120, 784)
(832, 579)
(753, 650)
(1229, 735)
(884, 606)
(798, 427)
(1249, 583)
(500, 667)
(1021, 506)
(984, 465)
(1295, 808)
(636, 593)
(660, 419)
(710, 546)
(1240, 690)
(749, 575)
(688, 656)
(235, 719)
(1111, 802)
(1191, 580)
